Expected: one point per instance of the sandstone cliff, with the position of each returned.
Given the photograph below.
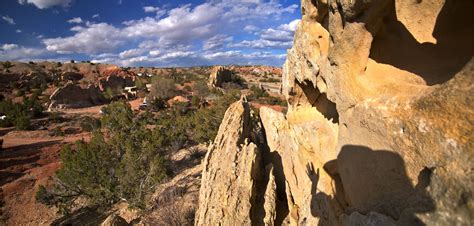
(379, 129)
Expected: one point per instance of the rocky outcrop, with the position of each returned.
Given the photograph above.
(114, 220)
(74, 96)
(380, 117)
(116, 79)
(218, 76)
(229, 190)
(71, 76)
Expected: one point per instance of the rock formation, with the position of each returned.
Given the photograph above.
(378, 129)
(71, 76)
(74, 96)
(116, 79)
(218, 76)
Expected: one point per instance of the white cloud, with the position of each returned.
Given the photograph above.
(75, 20)
(158, 12)
(43, 4)
(9, 46)
(15, 52)
(178, 54)
(216, 42)
(9, 20)
(187, 35)
(154, 53)
(280, 37)
(92, 39)
(18, 31)
(290, 26)
(95, 16)
(131, 53)
(251, 28)
(222, 54)
(262, 44)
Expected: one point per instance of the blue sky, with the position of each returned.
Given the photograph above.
(149, 32)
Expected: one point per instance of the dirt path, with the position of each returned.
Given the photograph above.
(96, 109)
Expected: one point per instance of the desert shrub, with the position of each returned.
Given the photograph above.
(22, 122)
(162, 88)
(43, 195)
(206, 121)
(140, 84)
(33, 104)
(195, 101)
(201, 89)
(187, 88)
(17, 114)
(157, 104)
(123, 162)
(258, 92)
(7, 64)
(89, 124)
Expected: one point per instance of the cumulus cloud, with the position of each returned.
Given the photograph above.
(8, 20)
(95, 16)
(9, 46)
(75, 20)
(43, 4)
(92, 39)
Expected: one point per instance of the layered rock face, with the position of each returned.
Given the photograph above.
(218, 76)
(379, 129)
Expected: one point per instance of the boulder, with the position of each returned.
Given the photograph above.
(218, 76)
(74, 96)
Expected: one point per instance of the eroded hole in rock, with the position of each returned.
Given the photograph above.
(433, 53)
(319, 100)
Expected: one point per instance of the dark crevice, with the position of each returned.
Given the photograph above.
(270, 159)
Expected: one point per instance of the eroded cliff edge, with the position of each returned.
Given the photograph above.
(379, 128)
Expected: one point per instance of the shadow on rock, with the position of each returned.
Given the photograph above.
(373, 181)
(377, 181)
